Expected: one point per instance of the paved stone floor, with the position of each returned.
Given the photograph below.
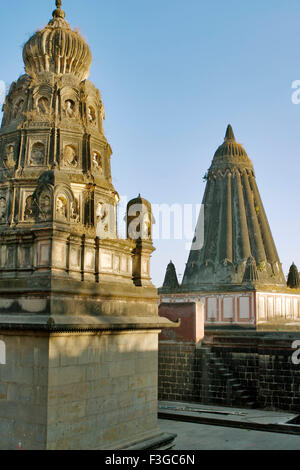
(192, 436)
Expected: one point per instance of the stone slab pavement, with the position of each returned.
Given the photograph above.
(194, 436)
(205, 427)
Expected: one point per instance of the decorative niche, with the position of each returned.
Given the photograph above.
(70, 156)
(37, 154)
(97, 162)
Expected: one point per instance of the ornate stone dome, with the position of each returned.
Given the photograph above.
(57, 49)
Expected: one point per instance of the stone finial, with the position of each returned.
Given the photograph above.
(58, 13)
(232, 150)
(293, 280)
(229, 134)
(171, 281)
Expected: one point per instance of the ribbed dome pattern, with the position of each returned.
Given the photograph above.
(230, 153)
(58, 49)
(231, 149)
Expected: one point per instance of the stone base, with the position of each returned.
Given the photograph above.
(80, 390)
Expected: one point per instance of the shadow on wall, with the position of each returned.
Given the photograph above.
(78, 390)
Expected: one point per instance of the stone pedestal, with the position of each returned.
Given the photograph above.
(94, 387)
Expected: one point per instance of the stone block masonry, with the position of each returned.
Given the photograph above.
(92, 394)
(232, 368)
(23, 391)
(78, 390)
(180, 372)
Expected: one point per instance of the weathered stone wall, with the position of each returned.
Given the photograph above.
(246, 370)
(180, 372)
(23, 391)
(78, 390)
(102, 390)
(279, 381)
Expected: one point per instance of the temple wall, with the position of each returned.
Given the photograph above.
(224, 308)
(180, 372)
(244, 308)
(78, 390)
(102, 390)
(277, 307)
(23, 391)
(232, 369)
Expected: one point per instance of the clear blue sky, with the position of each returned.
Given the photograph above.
(173, 74)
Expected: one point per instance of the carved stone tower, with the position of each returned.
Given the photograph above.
(236, 230)
(78, 311)
(56, 189)
(58, 204)
(235, 270)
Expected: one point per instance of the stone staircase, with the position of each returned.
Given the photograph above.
(222, 386)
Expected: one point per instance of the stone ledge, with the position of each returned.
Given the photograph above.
(83, 323)
(61, 285)
(162, 442)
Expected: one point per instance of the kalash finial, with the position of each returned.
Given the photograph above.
(58, 13)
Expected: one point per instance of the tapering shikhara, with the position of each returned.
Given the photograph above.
(236, 272)
(78, 311)
(236, 229)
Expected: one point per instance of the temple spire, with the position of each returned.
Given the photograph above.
(236, 228)
(229, 134)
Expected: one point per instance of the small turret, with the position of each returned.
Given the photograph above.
(139, 221)
(171, 280)
(293, 280)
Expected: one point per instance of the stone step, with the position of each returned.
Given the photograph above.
(240, 391)
(213, 357)
(233, 381)
(236, 385)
